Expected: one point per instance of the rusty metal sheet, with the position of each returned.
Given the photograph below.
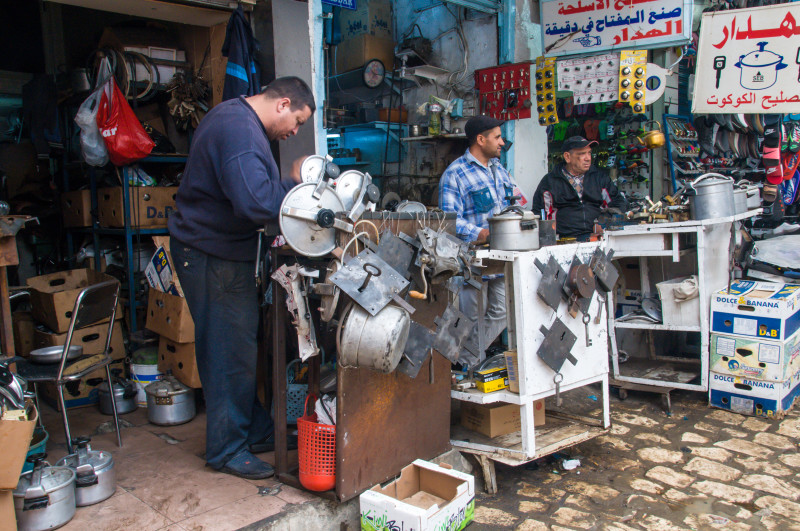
(386, 421)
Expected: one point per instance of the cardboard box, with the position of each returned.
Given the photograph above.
(371, 17)
(497, 419)
(762, 398)
(512, 366)
(15, 440)
(681, 313)
(425, 497)
(180, 359)
(80, 393)
(76, 207)
(91, 338)
(355, 52)
(160, 272)
(168, 315)
(757, 309)
(23, 325)
(489, 380)
(8, 518)
(53, 296)
(758, 359)
(150, 206)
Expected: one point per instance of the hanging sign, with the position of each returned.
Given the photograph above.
(748, 61)
(347, 4)
(586, 26)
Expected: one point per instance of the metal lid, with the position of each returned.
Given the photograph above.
(513, 215)
(52, 479)
(120, 387)
(98, 460)
(169, 386)
(760, 58)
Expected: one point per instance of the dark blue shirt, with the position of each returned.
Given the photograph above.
(231, 185)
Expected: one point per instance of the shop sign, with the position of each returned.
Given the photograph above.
(748, 61)
(347, 4)
(592, 26)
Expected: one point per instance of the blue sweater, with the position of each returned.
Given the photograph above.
(231, 185)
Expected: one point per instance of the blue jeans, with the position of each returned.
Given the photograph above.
(223, 300)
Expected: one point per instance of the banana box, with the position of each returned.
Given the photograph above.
(758, 359)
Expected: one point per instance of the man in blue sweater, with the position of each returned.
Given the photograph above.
(231, 187)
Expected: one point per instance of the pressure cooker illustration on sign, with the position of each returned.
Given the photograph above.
(759, 69)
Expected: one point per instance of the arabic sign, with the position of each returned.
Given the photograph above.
(748, 61)
(592, 26)
(347, 4)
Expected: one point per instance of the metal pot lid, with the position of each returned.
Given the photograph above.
(760, 58)
(53, 478)
(169, 386)
(348, 187)
(119, 387)
(511, 215)
(710, 179)
(97, 459)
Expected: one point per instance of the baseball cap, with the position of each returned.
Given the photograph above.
(576, 142)
(480, 124)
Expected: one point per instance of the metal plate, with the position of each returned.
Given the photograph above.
(453, 329)
(604, 271)
(396, 252)
(304, 235)
(328, 303)
(557, 344)
(418, 347)
(551, 287)
(380, 288)
(414, 207)
(312, 167)
(348, 187)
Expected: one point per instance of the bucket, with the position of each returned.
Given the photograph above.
(316, 446)
(142, 376)
(38, 446)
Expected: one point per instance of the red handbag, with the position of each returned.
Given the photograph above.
(124, 136)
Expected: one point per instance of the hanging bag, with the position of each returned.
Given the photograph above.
(93, 146)
(124, 136)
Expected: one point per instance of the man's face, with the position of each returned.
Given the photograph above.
(578, 160)
(492, 142)
(288, 121)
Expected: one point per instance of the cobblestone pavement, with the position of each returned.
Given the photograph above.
(700, 468)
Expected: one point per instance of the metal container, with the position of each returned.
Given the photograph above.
(514, 229)
(753, 194)
(53, 354)
(169, 402)
(740, 200)
(711, 196)
(125, 392)
(45, 497)
(373, 342)
(96, 479)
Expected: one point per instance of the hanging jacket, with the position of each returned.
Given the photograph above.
(575, 216)
(242, 76)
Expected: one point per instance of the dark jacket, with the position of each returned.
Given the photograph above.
(575, 216)
(242, 77)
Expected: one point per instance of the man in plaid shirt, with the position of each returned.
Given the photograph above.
(476, 186)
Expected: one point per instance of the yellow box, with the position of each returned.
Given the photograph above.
(491, 379)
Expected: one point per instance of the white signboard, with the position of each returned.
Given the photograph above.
(593, 26)
(748, 61)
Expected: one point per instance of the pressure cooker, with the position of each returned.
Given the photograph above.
(45, 496)
(95, 477)
(125, 393)
(169, 402)
(514, 229)
(711, 196)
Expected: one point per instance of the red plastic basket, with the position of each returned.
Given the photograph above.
(316, 452)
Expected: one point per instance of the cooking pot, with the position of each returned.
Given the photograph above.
(654, 138)
(45, 496)
(711, 196)
(753, 193)
(95, 477)
(169, 402)
(514, 229)
(372, 342)
(125, 392)
(759, 69)
(740, 200)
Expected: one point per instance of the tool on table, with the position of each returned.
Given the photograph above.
(719, 66)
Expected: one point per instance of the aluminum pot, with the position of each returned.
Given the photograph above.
(753, 194)
(711, 196)
(95, 476)
(169, 402)
(124, 395)
(373, 342)
(740, 200)
(45, 496)
(514, 229)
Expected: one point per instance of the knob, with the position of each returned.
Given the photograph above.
(372, 194)
(332, 171)
(625, 83)
(639, 72)
(639, 84)
(625, 95)
(325, 218)
(626, 71)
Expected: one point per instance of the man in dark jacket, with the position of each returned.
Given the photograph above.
(576, 192)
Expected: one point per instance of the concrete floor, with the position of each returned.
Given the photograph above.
(700, 468)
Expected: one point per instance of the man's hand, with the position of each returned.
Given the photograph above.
(483, 237)
(295, 173)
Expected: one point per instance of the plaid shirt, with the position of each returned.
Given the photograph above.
(472, 191)
(576, 181)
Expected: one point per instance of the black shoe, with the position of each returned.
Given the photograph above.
(268, 444)
(247, 466)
